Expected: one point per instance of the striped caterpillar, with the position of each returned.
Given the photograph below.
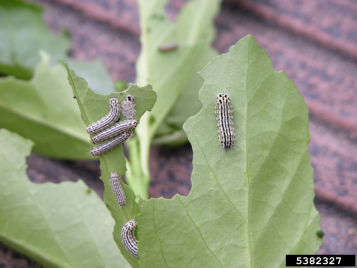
(110, 144)
(225, 121)
(117, 189)
(128, 237)
(127, 106)
(115, 130)
(107, 120)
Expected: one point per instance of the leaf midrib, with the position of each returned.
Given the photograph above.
(198, 230)
(153, 220)
(26, 247)
(247, 167)
(66, 131)
(194, 30)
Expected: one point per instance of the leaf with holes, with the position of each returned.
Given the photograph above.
(93, 107)
(58, 225)
(249, 205)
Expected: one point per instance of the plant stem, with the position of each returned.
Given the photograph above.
(136, 175)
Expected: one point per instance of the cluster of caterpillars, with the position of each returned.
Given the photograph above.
(113, 134)
(110, 132)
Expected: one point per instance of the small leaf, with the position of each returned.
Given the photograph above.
(43, 110)
(58, 225)
(22, 35)
(95, 73)
(250, 205)
(93, 107)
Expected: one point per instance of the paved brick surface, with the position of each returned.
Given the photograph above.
(314, 42)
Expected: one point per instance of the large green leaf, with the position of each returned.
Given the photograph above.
(58, 225)
(22, 35)
(173, 74)
(249, 205)
(43, 110)
(94, 106)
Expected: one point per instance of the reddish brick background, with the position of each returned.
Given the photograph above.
(314, 42)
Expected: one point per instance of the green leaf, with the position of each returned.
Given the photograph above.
(188, 104)
(93, 107)
(22, 35)
(58, 225)
(250, 205)
(95, 74)
(120, 85)
(44, 111)
(172, 73)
